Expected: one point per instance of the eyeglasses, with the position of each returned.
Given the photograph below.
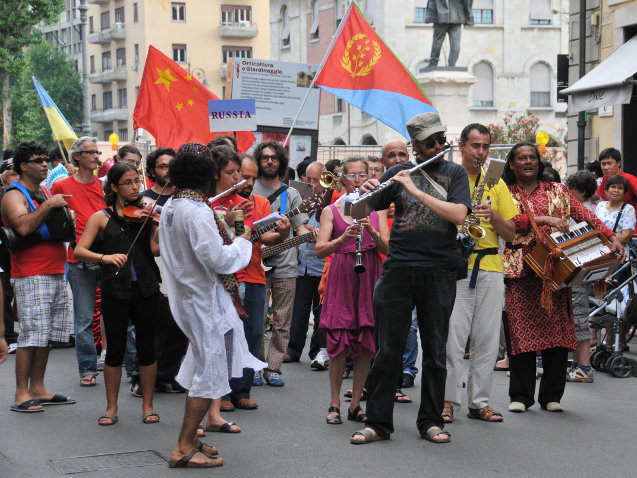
(91, 152)
(353, 176)
(430, 143)
(375, 170)
(265, 158)
(38, 160)
(130, 182)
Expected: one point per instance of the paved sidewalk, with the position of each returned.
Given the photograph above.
(288, 437)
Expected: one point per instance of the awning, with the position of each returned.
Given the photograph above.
(609, 83)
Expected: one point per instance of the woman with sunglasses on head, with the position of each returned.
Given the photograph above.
(130, 287)
(347, 317)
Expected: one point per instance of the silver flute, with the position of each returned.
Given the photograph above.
(228, 191)
(363, 198)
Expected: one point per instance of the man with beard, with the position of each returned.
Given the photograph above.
(171, 342)
(272, 163)
(157, 171)
(252, 287)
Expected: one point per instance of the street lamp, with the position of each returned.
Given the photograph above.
(86, 125)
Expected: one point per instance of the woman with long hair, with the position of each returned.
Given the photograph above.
(539, 320)
(347, 317)
(130, 286)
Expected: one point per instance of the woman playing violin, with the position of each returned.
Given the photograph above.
(130, 287)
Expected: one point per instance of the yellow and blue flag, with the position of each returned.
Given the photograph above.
(61, 128)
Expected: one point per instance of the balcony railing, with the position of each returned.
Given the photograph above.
(116, 32)
(107, 116)
(106, 76)
(238, 30)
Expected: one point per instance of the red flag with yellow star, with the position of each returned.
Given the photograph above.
(172, 105)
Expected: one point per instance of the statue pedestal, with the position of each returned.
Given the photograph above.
(448, 91)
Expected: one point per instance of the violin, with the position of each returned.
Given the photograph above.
(137, 214)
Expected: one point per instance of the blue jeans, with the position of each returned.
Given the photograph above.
(83, 285)
(306, 300)
(253, 297)
(411, 349)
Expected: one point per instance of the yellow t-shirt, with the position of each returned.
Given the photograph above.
(502, 203)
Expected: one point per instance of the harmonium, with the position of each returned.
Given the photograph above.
(585, 256)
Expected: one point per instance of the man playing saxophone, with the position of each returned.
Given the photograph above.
(477, 310)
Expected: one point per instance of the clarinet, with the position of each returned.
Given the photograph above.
(359, 267)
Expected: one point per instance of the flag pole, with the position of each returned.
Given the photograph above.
(321, 65)
(62, 152)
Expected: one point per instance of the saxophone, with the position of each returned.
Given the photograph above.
(471, 231)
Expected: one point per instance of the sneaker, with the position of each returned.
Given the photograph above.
(257, 381)
(169, 387)
(12, 348)
(101, 361)
(321, 361)
(578, 375)
(408, 380)
(136, 386)
(274, 380)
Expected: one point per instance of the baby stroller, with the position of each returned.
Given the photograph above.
(608, 355)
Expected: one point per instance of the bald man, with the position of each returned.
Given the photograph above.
(394, 152)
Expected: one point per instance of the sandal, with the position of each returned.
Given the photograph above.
(435, 431)
(334, 419)
(209, 450)
(184, 462)
(357, 415)
(201, 431)
(225, 428)
(369, 435)
(401, 397)
(447, 413)
(487, 414)
(348, 394)
(113, 420)
(150, 418)
(88, 381)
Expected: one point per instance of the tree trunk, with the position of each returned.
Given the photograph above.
(7, 123)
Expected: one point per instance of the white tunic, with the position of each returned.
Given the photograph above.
(194, 254)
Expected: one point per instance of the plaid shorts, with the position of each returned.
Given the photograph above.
(44, 310)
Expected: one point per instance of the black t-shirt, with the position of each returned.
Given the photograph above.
(160, 200)
(418, 236)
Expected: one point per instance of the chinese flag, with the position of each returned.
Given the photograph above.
(172, 105)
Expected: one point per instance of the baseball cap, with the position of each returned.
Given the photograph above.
(421, 126)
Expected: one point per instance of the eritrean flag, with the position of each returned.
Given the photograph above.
(362, 70)
(61, 128)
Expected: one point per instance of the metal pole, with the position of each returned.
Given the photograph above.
(86, 125)
(581, 116)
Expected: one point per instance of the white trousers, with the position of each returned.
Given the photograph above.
(477, 314)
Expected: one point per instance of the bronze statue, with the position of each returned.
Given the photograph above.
(448, 16)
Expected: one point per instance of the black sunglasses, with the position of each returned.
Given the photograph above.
(440, 139)
(38, 160)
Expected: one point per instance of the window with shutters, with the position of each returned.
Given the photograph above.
(483, 12)
(540, 85)
(285, 26)
(483, 87)
(541, 12)
(314, 27)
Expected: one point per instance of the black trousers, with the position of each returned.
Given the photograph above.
(171, 344)
(9, 315)
(398, 290)
(552, 383)
(306, 300)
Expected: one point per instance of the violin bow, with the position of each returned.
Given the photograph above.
(142, 227)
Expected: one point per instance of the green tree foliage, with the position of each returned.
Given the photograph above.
(17, 31)
(58, 75)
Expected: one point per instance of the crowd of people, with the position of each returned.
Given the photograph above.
(174, 287)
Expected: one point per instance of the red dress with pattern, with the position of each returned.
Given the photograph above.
(531, 327)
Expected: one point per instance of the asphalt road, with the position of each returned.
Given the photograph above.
(288, 437)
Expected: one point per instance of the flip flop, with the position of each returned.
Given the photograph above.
(85, 381)
(184, 462)
(146, 416)
(201, 431)
(401, 397)
(225, 428)
(24, 407)
(113, 420)
(57, 399)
